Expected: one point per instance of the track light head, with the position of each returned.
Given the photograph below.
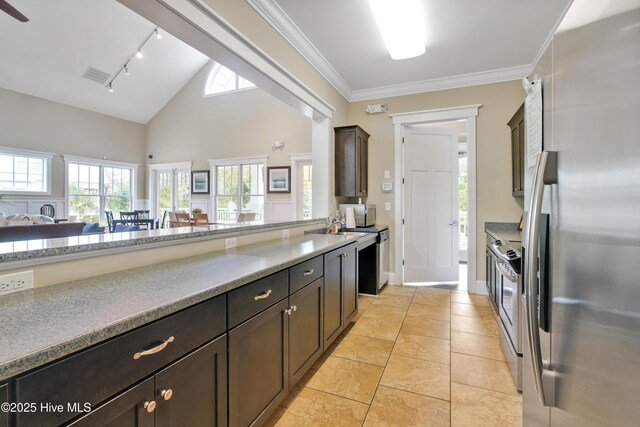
(110, 88)
(139, 54)
(158, 35)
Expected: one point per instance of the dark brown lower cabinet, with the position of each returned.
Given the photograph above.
(125, 410)
(190, 392)
(193, 391)
(340, 291)
(4, 397)
(305, 330)
(258, 366)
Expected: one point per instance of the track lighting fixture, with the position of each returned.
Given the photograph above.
(137, 54)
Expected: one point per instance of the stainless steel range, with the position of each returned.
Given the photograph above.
(504, 262)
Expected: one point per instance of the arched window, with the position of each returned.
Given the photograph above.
(222, 80)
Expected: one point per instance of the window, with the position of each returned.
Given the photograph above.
(94, 187)
(25, 172)
(222, 80)
(239, 188)
(307, 191)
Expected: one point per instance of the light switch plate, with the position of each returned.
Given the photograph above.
(387, 174)
(387, 206)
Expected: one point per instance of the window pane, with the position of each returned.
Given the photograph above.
(117, 203)
(244, 83)
(85, 208)
(23, 173)
(307, 191)
(253, 204)
(253, 179)
(227, 208)
(227, 180)
(221, 79)
(184, 190)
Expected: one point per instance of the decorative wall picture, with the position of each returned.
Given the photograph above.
(200, 182)
(279, 179)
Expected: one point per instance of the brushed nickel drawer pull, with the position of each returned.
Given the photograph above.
(154, 350)
(263, 295)
(150, 406)
(308, 272)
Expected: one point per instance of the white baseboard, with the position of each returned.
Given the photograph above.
(481, 287)
(392, 278)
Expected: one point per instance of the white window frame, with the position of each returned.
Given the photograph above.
(213, 70)
(46, 157)
(101, 163)
(237, 161)
(152, 180)
(295, 159)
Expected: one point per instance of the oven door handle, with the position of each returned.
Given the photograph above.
(505, 273)
(545, 172)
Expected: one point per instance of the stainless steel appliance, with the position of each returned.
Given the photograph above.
(373, 261)
(581, 241)
(365, 213)
(506, 285)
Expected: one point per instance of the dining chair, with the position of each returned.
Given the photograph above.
(48, 210)
(128, 215)
(142, 213)
(179, 219)
(200, 218)
(109, 215)
(246, 216)
(163, 223)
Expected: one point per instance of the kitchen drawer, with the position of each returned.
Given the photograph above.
(95, 374)
(304, 273)
(251, 299)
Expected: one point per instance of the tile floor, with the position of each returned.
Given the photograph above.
(415, 356)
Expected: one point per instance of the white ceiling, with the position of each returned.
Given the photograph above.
(47, 56)
(468, 42)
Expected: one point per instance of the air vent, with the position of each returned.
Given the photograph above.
(96, 75)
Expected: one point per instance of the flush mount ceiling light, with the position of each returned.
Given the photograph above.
(137, 54)
(401, 23)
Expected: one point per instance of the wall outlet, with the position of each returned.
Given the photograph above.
(285, 234)
(387, 206)
(230, 243)
(16, 282)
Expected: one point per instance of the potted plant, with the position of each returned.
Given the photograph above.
(196, 211)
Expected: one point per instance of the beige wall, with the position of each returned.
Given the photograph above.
(32, 123)
(499, 102)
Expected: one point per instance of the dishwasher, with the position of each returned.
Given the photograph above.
(373, 260)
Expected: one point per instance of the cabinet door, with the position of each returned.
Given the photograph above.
(258, 366)
(193, 390)
(362, 164)
(125, 410)
(4, 398)
(346, 180)
(517, 152)
(305, 330)
(333, 296)
(349, 283)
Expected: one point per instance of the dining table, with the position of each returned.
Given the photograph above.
(151, 223)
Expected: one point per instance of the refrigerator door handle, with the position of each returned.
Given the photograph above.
(544, 378)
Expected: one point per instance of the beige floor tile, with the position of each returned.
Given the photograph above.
(480, 372)
(474, 325)
(438, 300)
(347, 378)
(386, 312)
(364, 349)
(429, 311)
(295, 391)
(393, 407)
(459, 309)
(430, 290)
(475, 407)
(466, 298)
(393, 300)
(399, 290)
(370, 327)
(318, 409)
(417, 376)
(426, 327)
(425, 348)
(364, 302)
(476, 345)
(273, 419)
(324, 356)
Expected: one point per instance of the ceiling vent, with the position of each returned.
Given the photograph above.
(96, 75)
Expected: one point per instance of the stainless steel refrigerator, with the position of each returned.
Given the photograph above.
(582, 227)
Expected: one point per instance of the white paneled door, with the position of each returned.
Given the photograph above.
(430, 208)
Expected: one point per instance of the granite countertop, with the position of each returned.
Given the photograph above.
(43, 248)
(44, 324)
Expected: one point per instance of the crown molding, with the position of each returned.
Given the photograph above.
(463, 80)
(281, 22)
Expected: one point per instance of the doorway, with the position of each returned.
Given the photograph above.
(170, 188)
(433, 118)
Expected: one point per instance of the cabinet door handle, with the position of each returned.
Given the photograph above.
(308, 272)
(344, 255)
(154, 350)
(263, 295)
(294, 307)
(166, 394)
(150, 406)
(287, 311)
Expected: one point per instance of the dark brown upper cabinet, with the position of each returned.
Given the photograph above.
(351, 161)
(517, 152)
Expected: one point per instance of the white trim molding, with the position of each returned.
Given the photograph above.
(469, 113)
(280, 21)
(238, 161)
(295, 159)
(99, 162)
(177, 165)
